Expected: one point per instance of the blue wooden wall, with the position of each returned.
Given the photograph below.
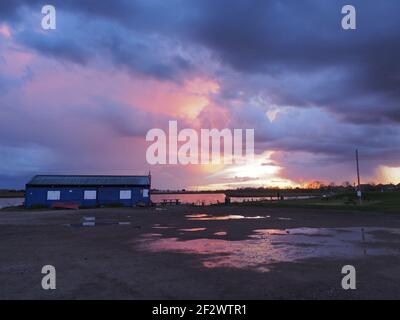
(37, 196)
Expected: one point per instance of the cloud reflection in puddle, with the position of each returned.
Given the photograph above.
(267, 246)
(193, 229)
(206, 217)
(220, 233)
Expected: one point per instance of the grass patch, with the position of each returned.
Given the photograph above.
(372, 201)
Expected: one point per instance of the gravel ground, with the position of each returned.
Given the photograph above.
(183, 252)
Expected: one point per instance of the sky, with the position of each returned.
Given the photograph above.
(80, 99)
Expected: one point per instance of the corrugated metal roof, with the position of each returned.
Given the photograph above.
(86, 180)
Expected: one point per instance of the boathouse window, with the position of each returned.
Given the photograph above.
(53, 195)
(90, 195)
(125, 194)
(145, 193)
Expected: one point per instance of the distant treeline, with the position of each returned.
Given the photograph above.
(315, 188)
(321, 189)
(12, 193)
(183, 191)
(267, 192)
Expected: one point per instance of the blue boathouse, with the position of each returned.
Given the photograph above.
(87, 191)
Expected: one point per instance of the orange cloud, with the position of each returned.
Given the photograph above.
(169, 98)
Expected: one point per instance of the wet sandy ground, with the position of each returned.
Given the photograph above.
(199, 253)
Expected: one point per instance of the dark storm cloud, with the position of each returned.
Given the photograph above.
(137, 53)
(147, 56)
(127, 32)
(278, 38)
(303, 38)
(317, 133)
(9, 8)
(342, 87)
(55, 47)
(275, 38)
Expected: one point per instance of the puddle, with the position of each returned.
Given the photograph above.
(298, 232)
(268, 246)
(220, 233)
(193, 229)
(206, 217)
(96, 224)
(196, 215)
(157, 226)
(89, 224)
(272, 232)
(93, 222)
(395, 231)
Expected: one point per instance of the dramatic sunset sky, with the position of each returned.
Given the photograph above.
(80, 99)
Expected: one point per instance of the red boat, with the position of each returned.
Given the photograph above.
(65, 205)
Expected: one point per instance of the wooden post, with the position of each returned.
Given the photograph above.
(359, 193)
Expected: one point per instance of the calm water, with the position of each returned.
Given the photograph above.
(214, 198)
(8, 202)
(198, 198)
(157, 198)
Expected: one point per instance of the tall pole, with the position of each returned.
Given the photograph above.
(359, 194)
(150, 179)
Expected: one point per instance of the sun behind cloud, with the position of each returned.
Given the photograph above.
(389, 174)
(260, 172)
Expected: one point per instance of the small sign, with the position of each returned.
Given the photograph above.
(359, 194)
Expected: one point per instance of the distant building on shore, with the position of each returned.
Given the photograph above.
(87, 191)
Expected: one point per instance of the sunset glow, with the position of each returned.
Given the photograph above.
(81, 99)
(390, 174)
(196, 157)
